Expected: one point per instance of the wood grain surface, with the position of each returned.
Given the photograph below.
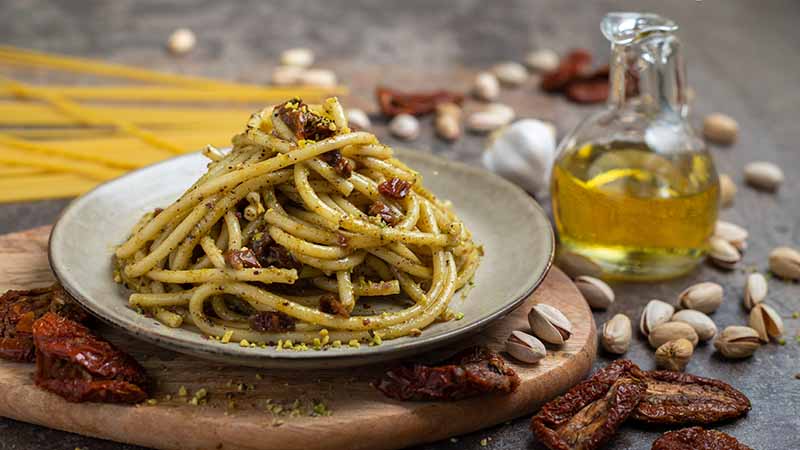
(241, 413)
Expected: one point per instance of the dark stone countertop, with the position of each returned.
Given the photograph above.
(743, 59)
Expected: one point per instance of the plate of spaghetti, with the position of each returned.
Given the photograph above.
(306, 244)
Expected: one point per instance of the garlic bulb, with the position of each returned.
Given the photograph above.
(523, 153)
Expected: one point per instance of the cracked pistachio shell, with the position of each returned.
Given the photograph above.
(670, 331)
(766, 321)
(702, 324)
(655, 313)
(755, 290)
(524, 347)
(722, 253)
(616, 334)
(737, 342)
(704, 297)
(674, 355)
(732, 233)
(785, 263)
(549, 324)
(727, 190)
(763, 175)
(597, 293)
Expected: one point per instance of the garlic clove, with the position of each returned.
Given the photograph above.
(523, 153)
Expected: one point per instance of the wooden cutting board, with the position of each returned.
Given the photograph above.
(258, 409)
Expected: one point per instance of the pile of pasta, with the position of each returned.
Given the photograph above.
(287, 235)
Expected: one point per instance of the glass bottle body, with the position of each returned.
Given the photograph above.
(634, 190)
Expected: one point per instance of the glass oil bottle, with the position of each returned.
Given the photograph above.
(634, 190)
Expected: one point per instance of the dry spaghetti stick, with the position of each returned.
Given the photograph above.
(51, 150)
(53, 164)
(88, 118)
(84, 65)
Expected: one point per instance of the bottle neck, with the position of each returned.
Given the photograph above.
(648, 77)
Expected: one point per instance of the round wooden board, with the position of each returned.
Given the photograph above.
(242, 402)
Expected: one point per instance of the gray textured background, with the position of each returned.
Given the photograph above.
(743, 58)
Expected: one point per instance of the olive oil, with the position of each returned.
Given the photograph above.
(635, 213)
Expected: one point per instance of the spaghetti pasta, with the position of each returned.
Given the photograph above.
(286, 235)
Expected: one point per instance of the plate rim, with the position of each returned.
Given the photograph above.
(289, 359)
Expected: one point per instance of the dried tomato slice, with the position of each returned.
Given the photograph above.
(303, 122)
(269, 253)
(471, 372)
(575, 65)
(19, 309)
(241, 259)
(272, 321)
(680, 398)
(590, 413)
(329, 304)
(696, 438)
(384, 212)
(340, 164)
(395, 188)
(393, 102)
(79, 366)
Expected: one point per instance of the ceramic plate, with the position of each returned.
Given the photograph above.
(515, 233)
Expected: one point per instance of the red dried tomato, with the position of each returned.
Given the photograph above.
(269, 253)
(79, 366)
(303, 122)
(575, 64)
(384, 212)
(241, 259)
(677, 398)
(393, 102)
(340, 164)
(272, 321)
(590, 413)
(471, 372)
(19, 309)
(329, 304)
(395, 188)
(696, 438)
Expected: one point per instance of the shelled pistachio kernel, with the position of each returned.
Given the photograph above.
(542, 60)
(737, 342)
(727, 190)
(358, 118)
(763, 175)
(704, 297)
(404, 126)
(549, 324)
(674, 355)
(670, 331)
(297, 57)
(510, 73)
(723, 254)
(181, 41)
(785, 263)
(766, 321)
(597, 293)
(492, 117)
(525, 348)
(720, 128)
(755, 289)
(615, 336)
(702, 324)
(654, 314)
(486, 87)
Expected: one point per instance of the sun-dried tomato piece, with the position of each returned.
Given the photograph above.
(272, 321)
(302, 122)
(384, 212)
(590, 413)
(243, 258)
(594, 90)
(394, 188)
(677, 398)
(340, 164)
(19, 309)
(575, 64)
(471, 372)
(393, 102)
(696, 438)
(269, 253)
(329, 304)
(79, 366)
